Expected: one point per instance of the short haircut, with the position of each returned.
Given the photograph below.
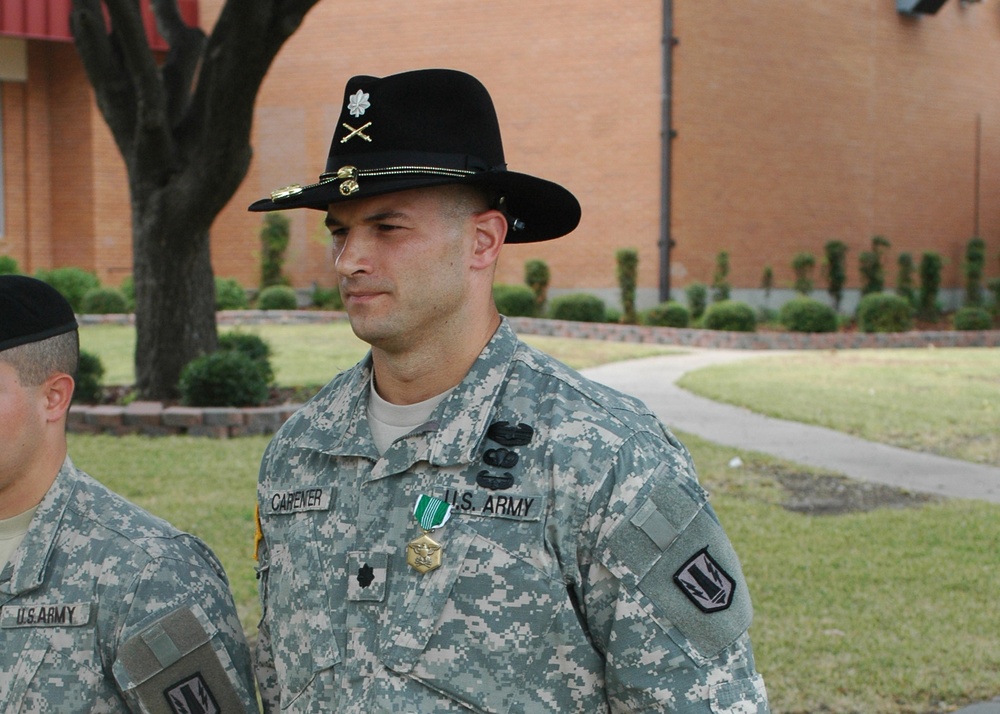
(35, 362)
(460, 201)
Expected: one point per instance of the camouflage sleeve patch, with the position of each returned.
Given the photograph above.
(669, 551)
(174, 666)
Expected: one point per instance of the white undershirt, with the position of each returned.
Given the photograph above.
(12, 532)
(389, 421)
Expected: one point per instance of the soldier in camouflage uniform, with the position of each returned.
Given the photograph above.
(103, 607)
(460, 522)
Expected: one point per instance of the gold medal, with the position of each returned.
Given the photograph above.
(423, 554)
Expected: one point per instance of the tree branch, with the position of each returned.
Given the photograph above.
(181, 66)
(152, 142)
(104, 67)
(243, 44)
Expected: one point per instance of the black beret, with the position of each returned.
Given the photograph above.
(30, 311)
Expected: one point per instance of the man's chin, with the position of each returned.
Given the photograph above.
(367, 329)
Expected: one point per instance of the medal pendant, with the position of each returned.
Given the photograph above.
(423, 554)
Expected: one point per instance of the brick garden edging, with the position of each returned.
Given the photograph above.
(685, 337)
(154, 419)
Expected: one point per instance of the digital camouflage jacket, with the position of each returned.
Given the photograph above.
(105, 608)
(581, 568)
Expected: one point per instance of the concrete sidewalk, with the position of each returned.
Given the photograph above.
(653, 381)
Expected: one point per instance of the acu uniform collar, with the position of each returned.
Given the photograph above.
(28, 571)
(455, 430)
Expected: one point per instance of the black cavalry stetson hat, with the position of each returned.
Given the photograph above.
(423, 128)
(31, 311)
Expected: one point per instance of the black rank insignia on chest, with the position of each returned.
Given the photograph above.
(366, 575)
(705, 583)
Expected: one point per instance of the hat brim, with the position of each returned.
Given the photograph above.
(546, 209)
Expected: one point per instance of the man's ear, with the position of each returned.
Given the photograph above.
(491, 230)
(58, 394)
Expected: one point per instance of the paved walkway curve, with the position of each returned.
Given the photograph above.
(653, 380)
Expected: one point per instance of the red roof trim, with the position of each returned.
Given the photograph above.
(49, 19)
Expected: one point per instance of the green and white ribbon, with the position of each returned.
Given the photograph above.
(431, 512)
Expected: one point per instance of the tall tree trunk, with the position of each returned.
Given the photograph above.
(175, 300)
(182, 125)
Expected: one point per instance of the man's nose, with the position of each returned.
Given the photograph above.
(351, 255)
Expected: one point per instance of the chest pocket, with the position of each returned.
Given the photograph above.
(43, 671)
(477, 627)
(299, 612)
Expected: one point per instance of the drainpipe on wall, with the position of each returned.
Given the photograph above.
(666, 135)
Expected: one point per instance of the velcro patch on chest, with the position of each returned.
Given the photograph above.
(288, 501)
(491, 504)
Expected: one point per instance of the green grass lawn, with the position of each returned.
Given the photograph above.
(945, 401)
(312, 354)
(884, 612)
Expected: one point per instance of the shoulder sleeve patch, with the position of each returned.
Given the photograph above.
(670, 551)
(173, 667)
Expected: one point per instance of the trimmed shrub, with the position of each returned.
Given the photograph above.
(720, 279)
(327, 298)
(835, 268)
(275, 233)
(971, 318)
(579, 307)
(973, 267)
(806, 314)
(731, 315)
(228, 378)
(72, 283)
(515, 300)
(994, 286)
(802, 265)
(8, 266)
(89, 373)
(667, 314)
(767, 282)
(277, 297)
(627, 260)
(697, 299)
(253, 346)
(104, 301)
(128, 290)
(884, 312)
(931, 265)
(872, 273)
(904, 278)
(230, 295)
(537, 276)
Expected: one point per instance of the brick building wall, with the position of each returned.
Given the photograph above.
(577, 93)
(797, 123)
(802, 124)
